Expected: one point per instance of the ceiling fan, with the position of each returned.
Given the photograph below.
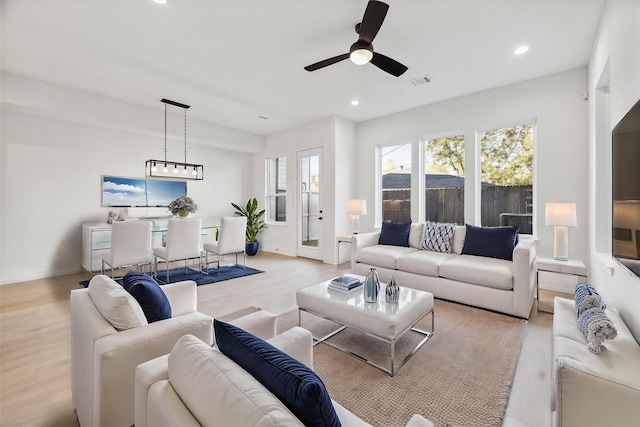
(361, 51)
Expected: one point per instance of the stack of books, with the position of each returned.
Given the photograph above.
(345, 284)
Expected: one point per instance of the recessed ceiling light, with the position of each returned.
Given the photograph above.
(355, 102)
(521, 50)
(160, 1)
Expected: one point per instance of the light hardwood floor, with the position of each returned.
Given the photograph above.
(35, 379)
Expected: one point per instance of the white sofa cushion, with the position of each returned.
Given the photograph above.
(457, 243)
(489, 272)
(426, 263)
(415, 235)
(382, 255)
(115, 304)
(240, 400)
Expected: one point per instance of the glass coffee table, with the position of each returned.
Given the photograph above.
(380, 320)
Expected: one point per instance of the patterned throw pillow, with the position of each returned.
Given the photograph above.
(437, 236)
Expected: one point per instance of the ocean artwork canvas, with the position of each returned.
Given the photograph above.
(139, 192)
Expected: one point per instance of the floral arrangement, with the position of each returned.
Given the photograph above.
(183, 206)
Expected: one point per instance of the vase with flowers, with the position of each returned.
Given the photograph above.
(183, 206)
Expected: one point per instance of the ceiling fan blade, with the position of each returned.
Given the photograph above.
(326, 62)
(387, 64)
(372, 20)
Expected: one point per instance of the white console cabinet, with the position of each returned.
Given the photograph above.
(96, 241)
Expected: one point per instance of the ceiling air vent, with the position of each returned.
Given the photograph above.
(421, 80)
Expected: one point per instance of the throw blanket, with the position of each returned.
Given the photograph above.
(593, 298)
(592, 320)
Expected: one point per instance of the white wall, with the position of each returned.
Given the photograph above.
(336, 136)
(560, 163)
(56, 145)
(614, 86)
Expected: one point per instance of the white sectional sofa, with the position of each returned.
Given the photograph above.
(593, 389)
(495, 284)
(198, 385)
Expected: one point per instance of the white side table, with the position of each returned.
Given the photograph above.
(558, 276)
(345, 240)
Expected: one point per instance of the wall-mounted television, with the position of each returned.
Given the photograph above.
(626, 190)
(118, 192)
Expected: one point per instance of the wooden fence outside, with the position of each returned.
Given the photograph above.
(447, 205)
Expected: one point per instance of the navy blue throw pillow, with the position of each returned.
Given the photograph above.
(395, 233)
(292, 382)
(493, 242)
(149, 295)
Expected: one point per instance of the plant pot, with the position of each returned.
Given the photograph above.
(251, 248)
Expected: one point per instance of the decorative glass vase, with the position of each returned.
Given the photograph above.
(371, 286)
(392, 292)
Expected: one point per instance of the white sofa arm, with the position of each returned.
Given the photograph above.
(359, 241)
(115, 358)
(524, 268)
(183, 297)
(87, 325)
(147, 374)
(260, 323)
(297, 342)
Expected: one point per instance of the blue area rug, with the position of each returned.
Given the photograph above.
(178, 274)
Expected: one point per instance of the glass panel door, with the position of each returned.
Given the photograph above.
(310, 229)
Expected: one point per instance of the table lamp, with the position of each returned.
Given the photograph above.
(356, 208)
(561, 216)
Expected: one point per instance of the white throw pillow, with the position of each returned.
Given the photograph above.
(415, 235)
(437, 236)
(458, 239)
(115, 303)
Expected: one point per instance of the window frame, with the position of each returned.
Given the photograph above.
(272, 193)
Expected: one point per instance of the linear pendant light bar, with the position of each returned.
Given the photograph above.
(170, 169)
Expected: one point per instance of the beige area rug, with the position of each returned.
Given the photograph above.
(462, 376)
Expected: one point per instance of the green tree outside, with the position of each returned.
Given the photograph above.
(506, 155)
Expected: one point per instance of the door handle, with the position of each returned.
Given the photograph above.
(320, 218)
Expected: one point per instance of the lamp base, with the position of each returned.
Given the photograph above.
(355, 224)
(561, 243)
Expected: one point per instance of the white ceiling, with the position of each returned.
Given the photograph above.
(235, 60)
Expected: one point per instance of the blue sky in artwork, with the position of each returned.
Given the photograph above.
(123, 191)
(139, 192)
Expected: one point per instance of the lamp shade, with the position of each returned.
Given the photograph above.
(563, 214)
(357, 207)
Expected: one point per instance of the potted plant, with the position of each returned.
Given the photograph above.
(183, 206)
(254, 224)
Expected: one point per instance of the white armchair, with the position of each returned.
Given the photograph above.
(104, 359)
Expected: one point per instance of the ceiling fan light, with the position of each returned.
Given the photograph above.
(361, 56)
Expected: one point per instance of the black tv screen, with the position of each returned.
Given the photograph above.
(626, 190)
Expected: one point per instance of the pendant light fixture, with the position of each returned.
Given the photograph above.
(170, 169)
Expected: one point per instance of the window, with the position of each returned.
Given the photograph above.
(277, 189)
(395, 167)
(444, 179)
(507, 177)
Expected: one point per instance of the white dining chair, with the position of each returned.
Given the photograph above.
(231, 240)
(182, 244)
(130, 245)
